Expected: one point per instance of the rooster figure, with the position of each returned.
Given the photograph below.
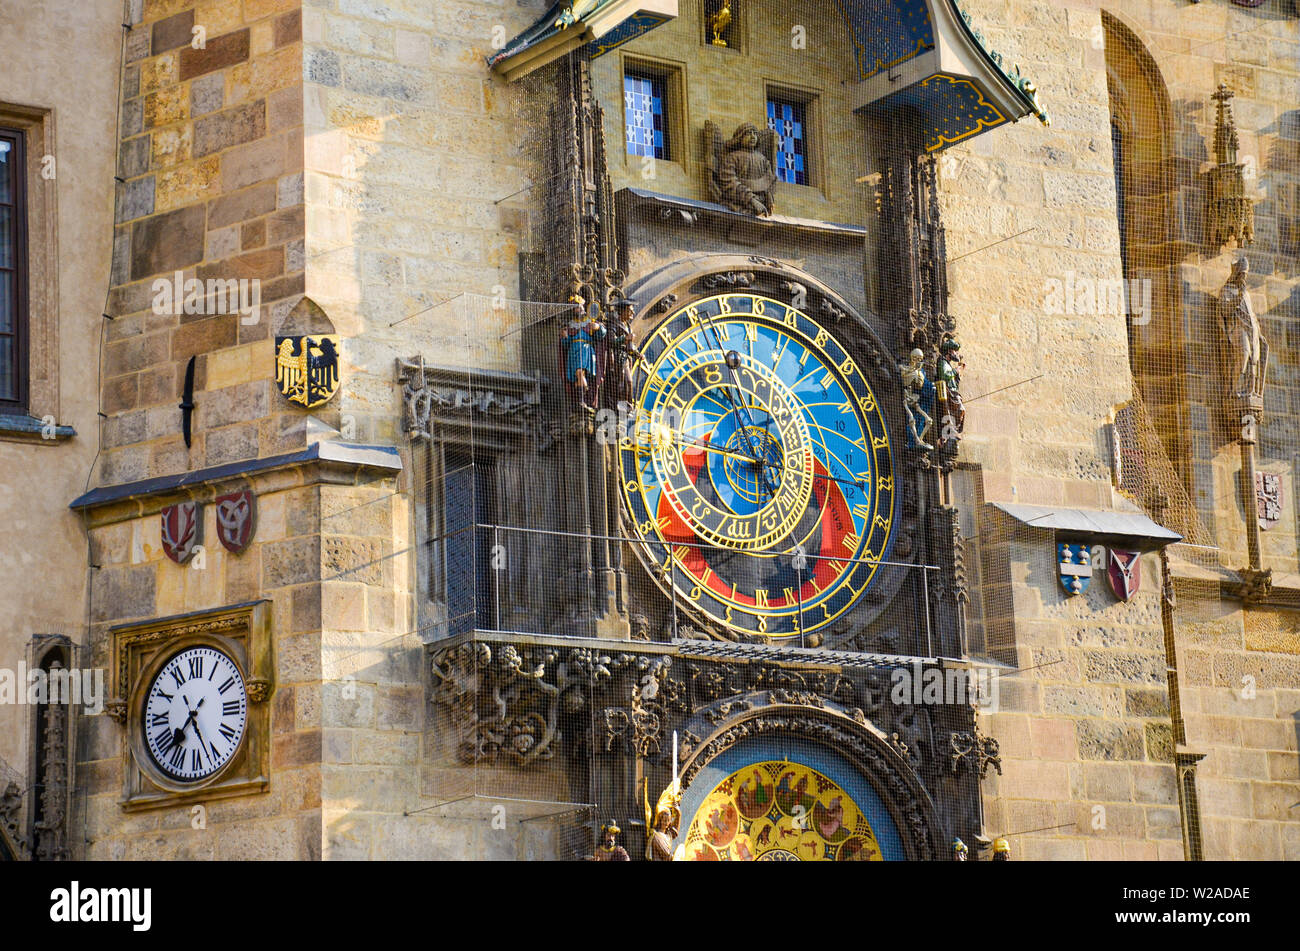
(719, 23)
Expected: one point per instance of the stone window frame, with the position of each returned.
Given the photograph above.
(810, 99)
(14, 141)
(24, 423)
(673, 75)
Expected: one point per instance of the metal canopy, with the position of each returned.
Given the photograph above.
(927, 56)
(1132, 529)
(600, 25)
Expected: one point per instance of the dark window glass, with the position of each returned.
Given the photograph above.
(789, 121)
(646, 115)
(13, 273)
(468, 511)
(1117, 149)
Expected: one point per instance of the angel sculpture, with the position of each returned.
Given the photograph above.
(742, 170)
(664, 823)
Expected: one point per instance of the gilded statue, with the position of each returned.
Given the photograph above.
(742, 170)
(719, 23)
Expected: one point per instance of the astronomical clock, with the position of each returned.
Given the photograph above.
(717, 496)
(759, 468)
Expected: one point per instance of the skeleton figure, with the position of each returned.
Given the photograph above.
(914, 386)
(1248, 347)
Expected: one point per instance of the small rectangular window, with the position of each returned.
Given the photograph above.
(468, 513)
(789, 120)
(13, 272)
(645, 112)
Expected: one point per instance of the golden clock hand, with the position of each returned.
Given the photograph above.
(730, 363)
(705, 447)
(762, 463)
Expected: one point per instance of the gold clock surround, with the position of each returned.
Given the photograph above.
(140, 651)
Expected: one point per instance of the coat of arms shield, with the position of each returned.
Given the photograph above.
(1075, 561)
(1268, 499)
(1124, 570)
(236, 517)
(307, 368)
(182, 527)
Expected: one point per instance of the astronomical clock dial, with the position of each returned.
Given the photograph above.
(758, 467)
(195, 714)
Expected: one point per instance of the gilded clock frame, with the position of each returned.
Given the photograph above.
(680, 284)
(140, 651)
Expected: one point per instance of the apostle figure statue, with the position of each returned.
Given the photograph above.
(742, 171)
(1248, 349)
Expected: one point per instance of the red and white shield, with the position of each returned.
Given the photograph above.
(1268, 499)
(236, 516)
(1124, 570)
(181, 528)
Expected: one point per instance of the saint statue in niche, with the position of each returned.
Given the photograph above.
(1248, 350)
(742, 170)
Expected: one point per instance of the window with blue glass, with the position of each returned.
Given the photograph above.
(789, 120)
(645, 100)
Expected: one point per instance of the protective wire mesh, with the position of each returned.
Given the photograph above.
(591, 617)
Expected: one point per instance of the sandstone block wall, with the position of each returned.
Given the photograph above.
(1046, 441)
(137, 581)
(211, 162)
(42, 562)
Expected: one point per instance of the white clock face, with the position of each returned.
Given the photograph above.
(195, 714)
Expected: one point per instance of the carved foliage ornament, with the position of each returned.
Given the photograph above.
(433, 396)
(511, 704)
(1268, 499)
(972, 750)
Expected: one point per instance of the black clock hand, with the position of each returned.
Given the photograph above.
(203, 744)
(735, 382)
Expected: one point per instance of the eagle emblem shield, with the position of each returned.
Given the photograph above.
(1075, 561)
(182, 526)
(1124, 570)
(236, 515)
(1268, 499)
(307, 368)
